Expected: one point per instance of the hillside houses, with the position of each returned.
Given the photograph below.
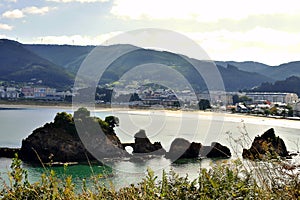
(9, 93)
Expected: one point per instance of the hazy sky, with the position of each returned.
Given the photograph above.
(258, 30)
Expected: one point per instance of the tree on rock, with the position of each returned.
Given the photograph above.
(82, 113)
(63, 118)
(112, 122)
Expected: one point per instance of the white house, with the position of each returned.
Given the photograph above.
(297, 109)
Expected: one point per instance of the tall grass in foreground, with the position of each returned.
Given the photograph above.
(225, 180)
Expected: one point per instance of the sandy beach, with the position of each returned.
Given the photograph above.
(233, 117)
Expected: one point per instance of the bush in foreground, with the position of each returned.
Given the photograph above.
(221, 181)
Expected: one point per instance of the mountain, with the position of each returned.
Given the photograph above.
(284, 71)
(290, 84)
(234, 79)
(57, 65)
(21, 65)
(279, 72)
(68, 56)
(248, 66)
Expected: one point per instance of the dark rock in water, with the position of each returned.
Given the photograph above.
(266, 143)
(59, 141)
(8, 152)
(142, 144)
(182, 148)
(216, 150)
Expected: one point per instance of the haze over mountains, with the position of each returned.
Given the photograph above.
(56, 66)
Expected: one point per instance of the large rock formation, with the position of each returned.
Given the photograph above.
(59, 141)
(182, 148)
(267, 143)
(143, 145)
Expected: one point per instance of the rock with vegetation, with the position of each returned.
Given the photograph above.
(266, 144)
(59, 141)
(215, 150)
(142, 144)
(182, 148)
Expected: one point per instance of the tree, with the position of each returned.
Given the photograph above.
(244, 99)
(274, 110)
(63, 118)
(235, 99)
(290, 110)
(81, 113)
(135, 97)
(204, 104)
(66, 121)
(112, 122)
(267, 112)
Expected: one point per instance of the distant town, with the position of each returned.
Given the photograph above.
(259, 103)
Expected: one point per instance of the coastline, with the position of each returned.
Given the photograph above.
(135, 110)
(226, 116)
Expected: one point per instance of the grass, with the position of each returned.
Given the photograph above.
(224, 180)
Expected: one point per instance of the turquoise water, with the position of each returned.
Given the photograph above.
(17, 124)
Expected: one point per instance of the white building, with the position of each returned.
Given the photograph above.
(273, 97)
(297, 109)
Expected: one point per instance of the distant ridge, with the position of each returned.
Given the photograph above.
(57, 65)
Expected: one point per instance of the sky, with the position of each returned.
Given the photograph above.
(233, 30)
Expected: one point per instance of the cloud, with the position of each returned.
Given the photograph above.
(260, 44)
(80, 1)
(201, 10)
(13, 14)
(5, 27)
(266, 45)
(36, 10)
(16, 14)
(15, 1)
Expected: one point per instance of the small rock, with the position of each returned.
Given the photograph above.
(142, 144)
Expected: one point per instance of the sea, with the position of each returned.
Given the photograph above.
(233, 130)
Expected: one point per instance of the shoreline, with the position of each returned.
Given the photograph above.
(141, 111)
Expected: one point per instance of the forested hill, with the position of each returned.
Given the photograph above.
(19, 64)
(56, 66)
(291, 84)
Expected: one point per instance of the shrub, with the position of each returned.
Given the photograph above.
(222, 181)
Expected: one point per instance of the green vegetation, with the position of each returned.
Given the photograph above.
(222, 181)
(290, 84)
(241, 99)
(204, 104)
(20, 65)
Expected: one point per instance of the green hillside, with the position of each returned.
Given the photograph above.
(57, 65)
(21, 65)
(68, 56)
(291, 84)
